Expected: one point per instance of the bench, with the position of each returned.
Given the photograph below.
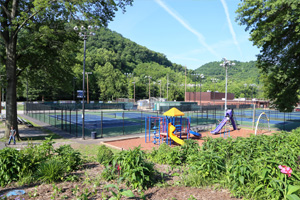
(25, 122)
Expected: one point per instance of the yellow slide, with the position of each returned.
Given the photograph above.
(171, 129)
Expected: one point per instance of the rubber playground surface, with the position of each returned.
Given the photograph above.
(140, 141)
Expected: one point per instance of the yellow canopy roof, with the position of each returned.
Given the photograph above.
(173, 112)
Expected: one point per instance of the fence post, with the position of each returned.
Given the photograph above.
(123, 123)
(44, 113)
(141, 121)
(197, 116)
(253, 121)
(55, 117)
(76, 134)
(70, 123)
(101, 124)
(66, 119)
(284, 121)
(61, 119)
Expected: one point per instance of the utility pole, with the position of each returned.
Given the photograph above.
(185, 85)
(87, 86)
(133, 91)
(201, 76)
(149, 91)
(226, 63)
(214, 80)
(167, 87)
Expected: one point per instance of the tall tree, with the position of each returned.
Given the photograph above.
(20, 15)
(274, 27)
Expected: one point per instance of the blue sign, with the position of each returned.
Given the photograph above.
(80, 94)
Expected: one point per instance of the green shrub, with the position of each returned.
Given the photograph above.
(51, 170)
(104, 155)
(70, 157)
(10, 165)
(33, 155)
(160, 155)
(190, 147)
(131, 166)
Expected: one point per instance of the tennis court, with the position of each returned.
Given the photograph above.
(120, 122)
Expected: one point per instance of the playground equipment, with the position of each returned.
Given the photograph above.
(262, 124)
(226, 132)
(228, 116)
(169, 128)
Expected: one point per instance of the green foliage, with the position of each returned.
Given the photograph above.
(38, 162)
(176, 155)
(70, 157)
(51, 170)
(119, 192)
(247, 166)
(10, 165)
(274, 28)
(190, 147)
(132, 167)
(104, 155)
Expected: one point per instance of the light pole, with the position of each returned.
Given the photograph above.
(214, 80)
(127, 75)
(149, 90)
(196, 75)
(167, 87)
(252, 85)
(201, 76)
(160, 88)
(133, 91)
(226, 63)
(84, 34)
(87, 86)
(245, 85)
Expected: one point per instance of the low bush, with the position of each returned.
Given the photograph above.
(132, 167)
(51, 171)
(10, 165)
(104, 155)
(176, 155)
(70, 157)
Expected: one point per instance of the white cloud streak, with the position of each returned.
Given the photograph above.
(189, 28)
(230, 26)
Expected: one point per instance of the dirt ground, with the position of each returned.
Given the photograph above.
(91, 185)
(135, 142)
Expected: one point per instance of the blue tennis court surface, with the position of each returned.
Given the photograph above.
(133, 115)
(94, 121)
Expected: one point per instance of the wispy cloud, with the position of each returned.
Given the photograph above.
(188, 27)
(230, 26)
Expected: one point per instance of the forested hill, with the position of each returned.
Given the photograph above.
(241, 71)
(127, 53)
(121, 68)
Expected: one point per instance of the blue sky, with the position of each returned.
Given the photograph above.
(188, 32)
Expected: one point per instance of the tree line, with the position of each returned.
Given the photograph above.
(118, 65)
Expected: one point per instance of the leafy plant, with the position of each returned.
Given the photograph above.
(70, 157)
(51, 171)
(131, 166)
(104, 155)
(10, 165)
(120, 192)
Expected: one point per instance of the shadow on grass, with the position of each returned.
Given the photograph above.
(41, 137)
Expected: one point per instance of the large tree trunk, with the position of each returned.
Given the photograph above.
(11, 90)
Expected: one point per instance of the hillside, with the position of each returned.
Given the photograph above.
(242, 71)
(121, 68)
